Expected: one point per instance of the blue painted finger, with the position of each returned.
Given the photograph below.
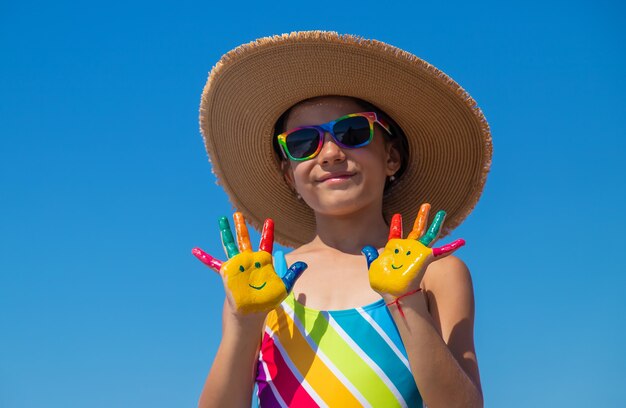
(370, 253)
(280, 264)
(292, 274)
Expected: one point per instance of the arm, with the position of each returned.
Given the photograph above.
(253, 288)
(440, 343)
(231, 379)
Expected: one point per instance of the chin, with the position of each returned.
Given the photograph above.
(341, 203)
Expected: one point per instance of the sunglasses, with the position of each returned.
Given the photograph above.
(349, 132)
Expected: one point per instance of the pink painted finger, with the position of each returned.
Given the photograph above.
(449, 248)
(207, 259)
(420, 222)
(395, 230)
(243, 237)
(267, 236)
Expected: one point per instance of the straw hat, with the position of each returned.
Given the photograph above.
(252, 85)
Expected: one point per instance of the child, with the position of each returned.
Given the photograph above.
(329, 135)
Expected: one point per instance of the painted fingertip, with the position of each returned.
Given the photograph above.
(395, 230)
(267, 236)
(280, 264)
(207, 259)
(299, 267)
(449, 248)
(198, 253)
(292, 274)
(370, 253)
(439, 218)
(201, 255)
(223, 222)
(366, 250)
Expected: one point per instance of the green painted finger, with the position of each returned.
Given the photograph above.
(228, 241)
(433, 231)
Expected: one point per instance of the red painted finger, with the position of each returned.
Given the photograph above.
(395, 230)
(267, 236)
(449, 248)
(243, 237)
(207, 259)
(420, 222)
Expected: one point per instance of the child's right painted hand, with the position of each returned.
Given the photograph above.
(252, 284)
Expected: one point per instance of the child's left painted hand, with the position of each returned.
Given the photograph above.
(400, 267)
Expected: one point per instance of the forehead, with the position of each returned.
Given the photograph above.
(321, 110)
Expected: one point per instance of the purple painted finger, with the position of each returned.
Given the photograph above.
(448, 248)
(207, 259)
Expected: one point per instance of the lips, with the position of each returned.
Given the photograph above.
(336, 175)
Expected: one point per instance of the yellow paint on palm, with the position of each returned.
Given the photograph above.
(255, 280)
(397, 266)
(252, 281)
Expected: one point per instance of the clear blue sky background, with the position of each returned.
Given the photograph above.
(105, 188)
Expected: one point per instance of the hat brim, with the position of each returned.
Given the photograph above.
(251, 86)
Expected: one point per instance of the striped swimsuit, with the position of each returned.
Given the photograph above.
(344, 358)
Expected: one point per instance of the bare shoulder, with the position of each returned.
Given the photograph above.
(448, 275)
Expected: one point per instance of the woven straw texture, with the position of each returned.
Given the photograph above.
(251, 86)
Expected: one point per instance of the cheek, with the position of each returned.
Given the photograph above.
(300, 173)
(374, 166)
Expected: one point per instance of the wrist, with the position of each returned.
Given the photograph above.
(413, 301)
(237, 325)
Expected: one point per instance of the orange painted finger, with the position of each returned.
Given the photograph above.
(243, 237)
(267, 236)
(395, 230)
(421, 221)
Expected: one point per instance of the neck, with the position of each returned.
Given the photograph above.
(350, 233)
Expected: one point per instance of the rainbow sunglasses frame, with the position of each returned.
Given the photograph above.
(327, 127)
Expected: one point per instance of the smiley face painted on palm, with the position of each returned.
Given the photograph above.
(251, 278)
(252, 281)
(398, 265)
(401, 265)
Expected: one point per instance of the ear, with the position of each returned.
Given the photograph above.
(394, 159)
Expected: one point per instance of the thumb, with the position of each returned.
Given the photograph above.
(370, 253)
(293, 273)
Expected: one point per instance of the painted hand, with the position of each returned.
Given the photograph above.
(401, 266)
(250, 279)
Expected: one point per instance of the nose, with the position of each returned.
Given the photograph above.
(331, 152)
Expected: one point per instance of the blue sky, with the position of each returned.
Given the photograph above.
(106, 188)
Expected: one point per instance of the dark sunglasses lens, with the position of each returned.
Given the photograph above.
(303, 143)
(353, 131)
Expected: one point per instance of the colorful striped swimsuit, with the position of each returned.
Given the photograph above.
(343, 358)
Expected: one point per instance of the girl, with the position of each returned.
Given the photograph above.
(330, 135)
